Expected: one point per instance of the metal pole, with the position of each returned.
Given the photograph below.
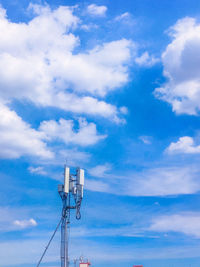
(63, 243)
(72, 188)
(64, 235)
(66, 246)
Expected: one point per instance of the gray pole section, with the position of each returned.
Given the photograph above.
(66, 246)
(64, 235)
(63, 243)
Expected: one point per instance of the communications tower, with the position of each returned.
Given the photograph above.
(71, 193)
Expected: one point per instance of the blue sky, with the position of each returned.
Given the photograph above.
(112, 87)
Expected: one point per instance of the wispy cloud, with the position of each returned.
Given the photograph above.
(146, 60)
(126, 19)
(96, 10)
(37, 170)
(98, 186)
(125, 231)
(123, 16)
(22, 224)
(146, 139)
(11, 253)
(163, 181)
(100, 170)
(188, 223)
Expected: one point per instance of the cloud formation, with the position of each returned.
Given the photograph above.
(41, 66)
(181, 62)
(17, 138)
(163, 181)
(15, 218)
(184, 145)
(146, 139)
(188, 224)
(25, 223)
(146, 60)
(100, 170)
(37, 170)
(123, 16)
(64, 130)
(96, 10)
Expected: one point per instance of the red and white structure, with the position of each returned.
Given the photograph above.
(87, 264)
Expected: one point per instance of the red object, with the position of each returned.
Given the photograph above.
(86, 264)
(137, 265)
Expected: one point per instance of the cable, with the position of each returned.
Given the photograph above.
(78, 207)
(49, 242)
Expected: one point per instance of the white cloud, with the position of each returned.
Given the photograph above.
(100, 170)
(146, 60)
(124, 110)
(188, 224)
(86, 105)
(41, 66)
(17, 138)
(73, 157)
(89, 27)
(97, 186)
(181, 68)
(146, 139)
(9, 220)
(37, 170)
(96, 10)
(13, 252)
(64, 130)
(106, 67)
(36, 239)
(25, 223)
(185, 145)
(123, 16)
(126, 19)
(163, 181)
(128, 231)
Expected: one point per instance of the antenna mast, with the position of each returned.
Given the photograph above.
(70, 192)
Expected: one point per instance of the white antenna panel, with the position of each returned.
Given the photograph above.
(66, 182)
(80, 176)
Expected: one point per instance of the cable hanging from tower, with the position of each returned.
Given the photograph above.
(46, 248)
